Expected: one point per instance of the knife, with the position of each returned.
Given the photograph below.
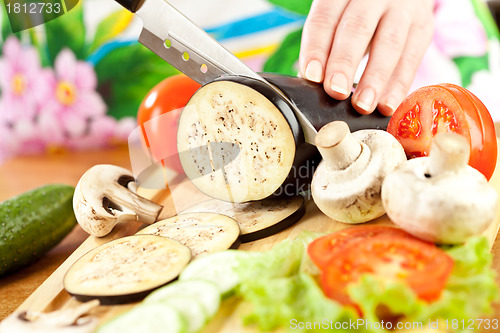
(187, 47)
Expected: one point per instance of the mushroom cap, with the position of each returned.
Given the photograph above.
(102, 199)
(446, 208)
(352, 195)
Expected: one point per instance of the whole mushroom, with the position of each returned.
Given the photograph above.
(347, 183)
(105, 196)
(440, 198)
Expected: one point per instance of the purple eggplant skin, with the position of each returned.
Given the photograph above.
(278, 227)
(319, 108)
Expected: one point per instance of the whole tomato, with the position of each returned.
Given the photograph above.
(158, 116)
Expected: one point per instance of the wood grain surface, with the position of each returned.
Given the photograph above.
(43, 280)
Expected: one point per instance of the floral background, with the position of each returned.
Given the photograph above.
(76, 82)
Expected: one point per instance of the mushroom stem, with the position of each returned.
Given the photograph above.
(133, 206)
(337, 145)
(449, 152)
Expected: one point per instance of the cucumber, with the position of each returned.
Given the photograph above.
(150, 318)
(218, 268)
(191, 310)
(205, 292)
(33, 223)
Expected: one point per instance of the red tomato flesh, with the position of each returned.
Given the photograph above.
(446, 108)
(322, 250)
(423, 266)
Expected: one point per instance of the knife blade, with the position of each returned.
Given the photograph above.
(187, 47)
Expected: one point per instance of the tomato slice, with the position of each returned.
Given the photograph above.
(423, 266)
(323, 249)
(446, 108)
(485, 149)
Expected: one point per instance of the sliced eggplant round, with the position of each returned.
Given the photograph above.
(257, 219)
(203, 233)
(126, 269)
(234, 143)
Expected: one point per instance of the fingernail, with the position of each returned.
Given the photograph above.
(314, 71)
(339, 84)
(391, 104)
(366, 99)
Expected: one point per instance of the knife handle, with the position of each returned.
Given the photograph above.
(131, 5)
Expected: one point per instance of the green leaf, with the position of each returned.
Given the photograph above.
(468, 294)
(470, 65)
(67, 31)
(6, 29)
(486, 18)
(284, 59)
(294, 302)
(110, 27)
(126, 75)
(297, 6)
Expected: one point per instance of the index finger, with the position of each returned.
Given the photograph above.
(317, 37)
(352, 37)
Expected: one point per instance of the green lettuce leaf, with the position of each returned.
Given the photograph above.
(283, 294)
(283, 260)
(294, 302)
(468, 294)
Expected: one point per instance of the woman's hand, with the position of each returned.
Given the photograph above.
(338, 33)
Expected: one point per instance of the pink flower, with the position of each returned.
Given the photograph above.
(19, 81)
(71, 99)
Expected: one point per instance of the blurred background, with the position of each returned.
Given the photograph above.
(77, 81)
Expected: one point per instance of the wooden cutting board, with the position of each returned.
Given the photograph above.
(51, 295)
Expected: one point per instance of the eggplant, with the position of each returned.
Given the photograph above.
(126, 269)
(257, 219)
(273, 159)
(203, 233)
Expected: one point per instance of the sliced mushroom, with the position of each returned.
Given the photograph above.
(74, 320)
(440, 198)
(105, 196)
(346, 185)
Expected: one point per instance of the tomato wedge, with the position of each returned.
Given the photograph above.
(423, 266)
(446, 108)
(323, 249)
